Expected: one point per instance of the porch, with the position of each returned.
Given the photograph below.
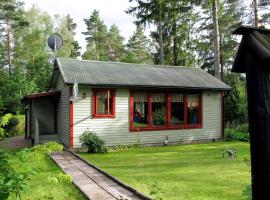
(41, 117)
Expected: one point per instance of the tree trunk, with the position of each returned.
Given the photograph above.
(97, 52)
(161, 51)
(175, 56)
(9, 47)
(221, 60)
(255, 5)
(216, 39)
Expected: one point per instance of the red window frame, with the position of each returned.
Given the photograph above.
(94, 103)
(168, 125)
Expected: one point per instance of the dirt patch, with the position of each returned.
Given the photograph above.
(17, 142)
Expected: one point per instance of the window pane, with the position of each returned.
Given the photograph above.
(193, 109)
(140, 114)
(110, 103)
(102, 102)
(158, 110)
(177, 109)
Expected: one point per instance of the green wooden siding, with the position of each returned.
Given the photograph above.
(116, 131)
(63, 111)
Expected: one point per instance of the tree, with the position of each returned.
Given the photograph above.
(261, 12)
(214, 5)
(138, 48)
(255, 9)
(115, 44)
(32, 55)
(96, 37)
(66, 28)
(216, 39)
(230, 17)
(75, 52)
(15, 88)
(180, 19)
(235, 106)
(11, 18)
(151, 12)
(228, 42)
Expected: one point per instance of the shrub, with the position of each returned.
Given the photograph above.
(12, 183)
(48, 148)
(60, 177)
(234, 134)
(242, 128)
(17, 125)
(93, 142)
(2, 133)
(11, 125)
(4, 121)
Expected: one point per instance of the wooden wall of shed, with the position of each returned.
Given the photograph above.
(43, 110)
(115, 131)
(63, 111)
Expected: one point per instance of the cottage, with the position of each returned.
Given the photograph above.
(128, 103)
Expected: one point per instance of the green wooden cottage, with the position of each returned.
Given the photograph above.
(128, 103)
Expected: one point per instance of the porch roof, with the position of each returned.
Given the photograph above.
(42, 94)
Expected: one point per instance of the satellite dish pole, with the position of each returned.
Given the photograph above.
(55, 42)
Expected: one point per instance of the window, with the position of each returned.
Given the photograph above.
(193, 109)
(177, 109)
(103, 104)
(158, 110)
(164, 111)
(140, 115)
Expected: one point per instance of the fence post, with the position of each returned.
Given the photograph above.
(36, 138)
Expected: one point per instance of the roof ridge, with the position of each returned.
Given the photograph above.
(137, 64)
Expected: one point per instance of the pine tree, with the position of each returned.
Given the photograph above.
(11, 19)
(138, 48)
(115, 44)
(96, 37)
(230, 16)
(216, 39)
(75, 52)
(151, 12)
(180, 17)
(262, 9)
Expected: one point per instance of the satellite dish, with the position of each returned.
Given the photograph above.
(55, 41)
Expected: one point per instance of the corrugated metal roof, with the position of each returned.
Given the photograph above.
(136, 75)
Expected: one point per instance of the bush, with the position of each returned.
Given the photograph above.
(11, 125)
(18, 128)
(242, 128)
(60, 177)
(234, 134)
(93, 142)
(4, 121)
(12, 183)
(48, 148)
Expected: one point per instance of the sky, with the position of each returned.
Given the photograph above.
(111, 11)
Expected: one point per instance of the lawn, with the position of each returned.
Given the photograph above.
(196, 171)
(45, 184)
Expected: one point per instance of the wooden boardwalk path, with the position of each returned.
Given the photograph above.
(94, 184)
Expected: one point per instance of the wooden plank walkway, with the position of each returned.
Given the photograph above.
(95, 185)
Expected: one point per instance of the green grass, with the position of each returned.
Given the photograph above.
(193, 172)
(41, 184)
